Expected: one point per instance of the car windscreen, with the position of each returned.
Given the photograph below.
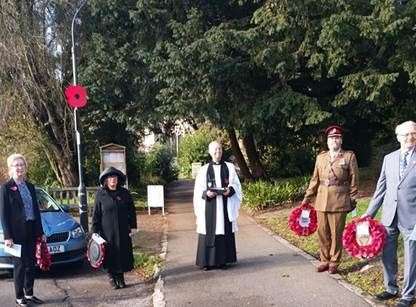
(46, 203)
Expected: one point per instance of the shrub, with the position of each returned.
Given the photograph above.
(262, 194)
(159, 166)
(194, 148)
(286, 161)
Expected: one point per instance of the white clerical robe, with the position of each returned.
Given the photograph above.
(233, 202)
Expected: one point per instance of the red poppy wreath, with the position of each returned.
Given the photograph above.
(43, 257)
(303, 220)
(364, 238)
(95, 253)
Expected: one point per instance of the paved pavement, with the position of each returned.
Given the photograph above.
(268, 272)
(81, 286)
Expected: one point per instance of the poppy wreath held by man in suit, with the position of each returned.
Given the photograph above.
(375, 242)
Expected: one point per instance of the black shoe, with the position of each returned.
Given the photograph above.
(404, 303)
(113, 283)
(33, 299)
(223, 267)
(120, 281)
(384, 296)
(21, 302)
(207, 268)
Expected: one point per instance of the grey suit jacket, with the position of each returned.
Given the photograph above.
(396, 195)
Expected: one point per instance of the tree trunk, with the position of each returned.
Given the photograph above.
(253, 157)
(64, 171)
(245, 171)
(67, 175)
(60, 141)
(53, 165)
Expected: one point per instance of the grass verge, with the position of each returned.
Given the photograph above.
(146, 264)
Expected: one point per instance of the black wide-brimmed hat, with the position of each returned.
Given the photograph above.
(112, 171)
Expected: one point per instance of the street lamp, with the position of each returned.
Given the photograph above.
(82, 195)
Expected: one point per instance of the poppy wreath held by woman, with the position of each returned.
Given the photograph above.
(96, 251)
(303, 220)
(364, 238)
(43, 257)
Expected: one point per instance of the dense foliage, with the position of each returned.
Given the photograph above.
(270, 74)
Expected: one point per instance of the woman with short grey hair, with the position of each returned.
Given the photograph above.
(21, 221)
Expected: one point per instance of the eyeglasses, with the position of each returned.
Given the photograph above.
(18, 165)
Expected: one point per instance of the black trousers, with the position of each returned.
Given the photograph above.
(24, 267)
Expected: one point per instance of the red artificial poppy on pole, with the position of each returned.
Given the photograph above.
(76, 96)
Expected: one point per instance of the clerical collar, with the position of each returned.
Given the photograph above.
(216, 163)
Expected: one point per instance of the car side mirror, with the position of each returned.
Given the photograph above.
(65, 208)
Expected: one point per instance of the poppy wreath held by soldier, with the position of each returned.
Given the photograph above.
(364, 246)
(303, 220)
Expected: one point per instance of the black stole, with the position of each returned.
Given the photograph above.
(211, 203)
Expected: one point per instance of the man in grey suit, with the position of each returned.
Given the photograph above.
(396, 193)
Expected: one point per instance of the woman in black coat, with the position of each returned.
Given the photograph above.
(113, 218)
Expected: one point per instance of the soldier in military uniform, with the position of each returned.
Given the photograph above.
(334, 186)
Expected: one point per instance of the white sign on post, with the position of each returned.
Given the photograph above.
(155, 197)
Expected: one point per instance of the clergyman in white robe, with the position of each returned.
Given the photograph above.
(216, 217)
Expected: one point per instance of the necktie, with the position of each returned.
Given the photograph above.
(403, 163)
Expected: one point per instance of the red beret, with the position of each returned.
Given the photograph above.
(333, 130)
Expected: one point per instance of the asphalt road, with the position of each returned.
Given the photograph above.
(268, 273)
(80, 286)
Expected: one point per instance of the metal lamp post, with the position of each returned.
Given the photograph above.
(82, 195)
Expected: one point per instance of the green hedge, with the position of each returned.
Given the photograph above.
(263, 194)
